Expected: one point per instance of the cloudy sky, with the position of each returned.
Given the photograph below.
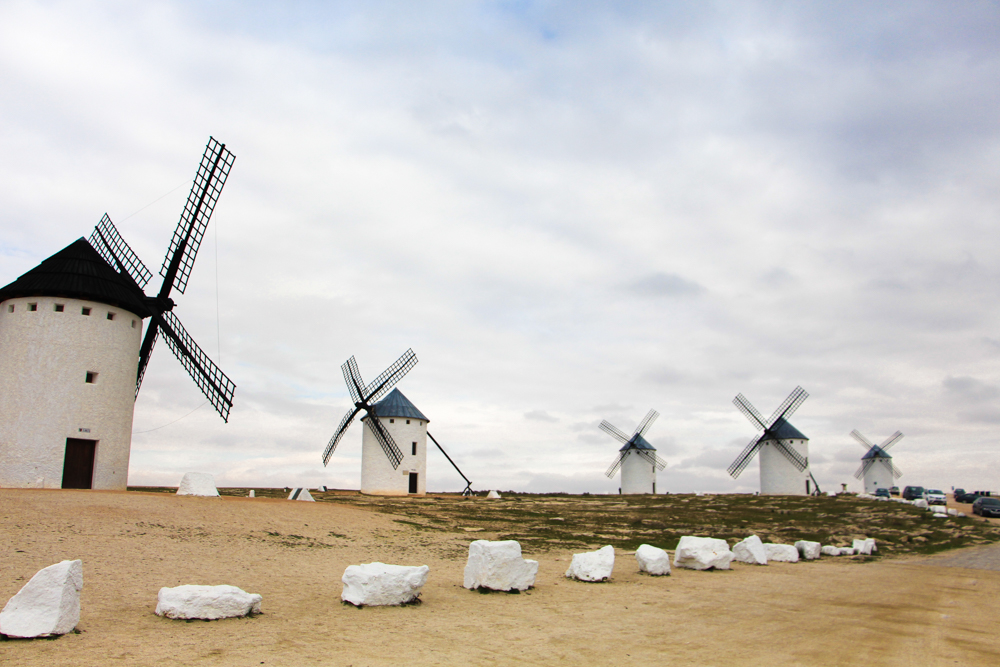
(570, 211)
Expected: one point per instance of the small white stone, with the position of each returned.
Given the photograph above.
(592, 565)
(808, 550)
(652, 560)
(301, 494)
(498, 566)
(952, 511)
(938, 509)
(197, 484)
(781, 553)
(828, 550)
(49, 604)
(378, 584)
(493, 495)
(921, 503)
(864, 547)
(206, 602)
(702, 553)
(751, 550)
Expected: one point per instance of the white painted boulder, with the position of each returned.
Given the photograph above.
(921, 503)
(197, 484)
(808, 550)
(592, 565)
(938, 509)
(865, 547)
(829, 550)
(301, 494)
(378, 584)
(702, 553)
(652, 560)
(751, 551)
(207, 603)
(498, 566)
(48, 605)
(493, 495)
(781, 553)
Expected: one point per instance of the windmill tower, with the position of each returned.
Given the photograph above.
(877, 468)
(784, 451)
(72, 355)
(637, 458)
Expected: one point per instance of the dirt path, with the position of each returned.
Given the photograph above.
(832, 612)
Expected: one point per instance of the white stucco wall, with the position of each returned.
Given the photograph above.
(377, 475)
(638, 475)
(44, 399)
(878, 476)
(778, 475)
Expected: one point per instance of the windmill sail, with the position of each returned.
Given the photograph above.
(772, 429)
(115, 251)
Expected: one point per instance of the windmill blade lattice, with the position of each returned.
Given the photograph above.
(784, 411)
(863, 468)
(614, 432)
(208, 183)
(646, 423)
(110, 245)
(617, 463)
(796, 459)
(891, 440)
(215, 384)
(743, 460)
(652, 458)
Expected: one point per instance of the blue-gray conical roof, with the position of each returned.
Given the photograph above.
(783, 430)
(637, 442)
(397, 405)
(876, 452)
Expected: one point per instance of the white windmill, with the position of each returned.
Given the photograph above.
(784, 450)
(72, 352)
(877, 468)
(385, 468)
(637, 458)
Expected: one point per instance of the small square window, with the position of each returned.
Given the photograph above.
(59, 308)
(32, 307)
(414, 449)
(10, 308)
(111, 316)
(91, 377)
(392, 421)
(85, 311)
(407, 421)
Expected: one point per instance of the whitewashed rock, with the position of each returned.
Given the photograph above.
(921, 503)
(493, 495)
(378, 584)
(938, 509)
(251, 494)
(864, 547)
(952, 511)
(652, 560)
(828, 550)
(751, 550)
(781, 553)
(49, 604)
(498, 566)
(808, 550)
(592, 565)
(197, 484)
(702, 553)
(301, 494)
(206, 602)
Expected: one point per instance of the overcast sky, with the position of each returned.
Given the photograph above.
(570, 211)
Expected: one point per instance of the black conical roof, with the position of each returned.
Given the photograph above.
(397, 405)
(783, 430)
(876, 452)
(78, 272)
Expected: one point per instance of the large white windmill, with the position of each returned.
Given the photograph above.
(877, 468)
(72, 351)
(637, 458)
(784, 450)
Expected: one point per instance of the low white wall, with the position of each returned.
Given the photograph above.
(778, 475)
(638, 475)
(377, 475)
(44, 399)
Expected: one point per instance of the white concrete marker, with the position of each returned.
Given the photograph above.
(197, 484)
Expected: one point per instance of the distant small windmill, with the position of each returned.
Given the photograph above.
(784, 450)
(389, 416)
(877, 468)
(637, 458)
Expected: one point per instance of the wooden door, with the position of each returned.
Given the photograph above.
(78, 466)
(413, 482)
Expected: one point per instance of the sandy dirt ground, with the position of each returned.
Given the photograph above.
(928, 610)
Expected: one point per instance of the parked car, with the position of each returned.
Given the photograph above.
(966, 497)
(986, 506)
(935, 497)
(913, 492)
(894, 491)
(881, 493)
(957, 492)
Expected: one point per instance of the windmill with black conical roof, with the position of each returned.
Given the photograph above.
(877, 468)
(783, 449)
(637, 458)
(72, 355)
